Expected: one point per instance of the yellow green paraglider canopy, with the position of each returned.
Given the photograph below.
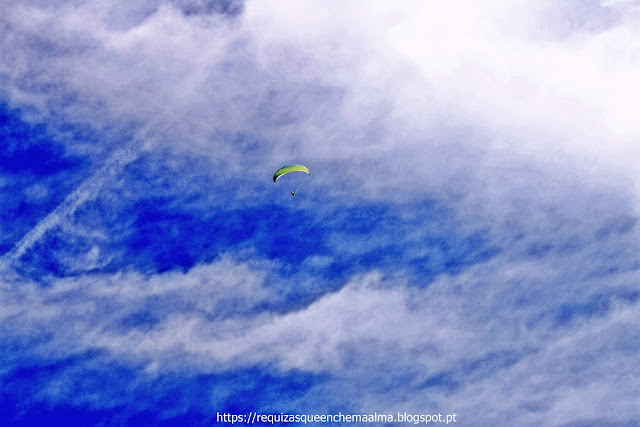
(290, 168)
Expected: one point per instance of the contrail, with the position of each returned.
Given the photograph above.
(87, 190)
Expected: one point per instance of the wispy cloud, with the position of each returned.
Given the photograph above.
(89, 189)
(467, 241)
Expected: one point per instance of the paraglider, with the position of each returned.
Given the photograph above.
(288, 169)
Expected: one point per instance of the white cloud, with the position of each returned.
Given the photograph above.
(405, 76)
(87, 190)
(420, 68)
(519, 124)
(491, 331)
(72, 315)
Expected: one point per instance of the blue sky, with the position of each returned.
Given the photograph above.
(467, 241)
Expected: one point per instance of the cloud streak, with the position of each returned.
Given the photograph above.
(89, 189)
